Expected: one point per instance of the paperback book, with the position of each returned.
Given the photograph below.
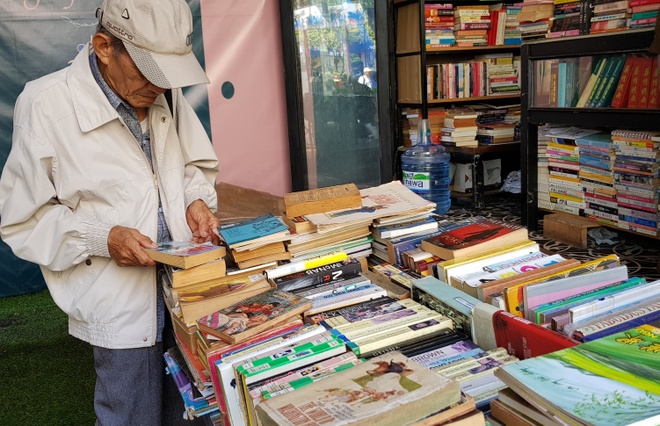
(391, 388)
(614, 380)
(185, 254)
(253, 315)
(473, 238)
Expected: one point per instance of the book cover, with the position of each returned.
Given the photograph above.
(325, 274)
(253, 315)
(245, 231)
(389, 388)
(321, 200)
(185, 254)
(525, 339)
(474, 238)
(360, 311)
(610, 381)
(359, 293)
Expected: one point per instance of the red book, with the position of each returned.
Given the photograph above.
(474, 238)
(641, 63)
(525, 339)
(654, 94)
(620, 98)
(645, 83)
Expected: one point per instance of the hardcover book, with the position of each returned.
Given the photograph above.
(185, 254)
(323, 274)
(253, 315)
(474, 238)
(390, 389)
(614, 380)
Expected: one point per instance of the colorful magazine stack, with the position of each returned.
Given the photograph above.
(439, 25)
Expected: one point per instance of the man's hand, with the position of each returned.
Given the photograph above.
(126, 247)
(202, 223)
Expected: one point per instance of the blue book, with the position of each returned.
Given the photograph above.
(251, 229)
(598, 140)
(561, 84)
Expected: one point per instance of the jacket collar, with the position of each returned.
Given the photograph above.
(90, 104)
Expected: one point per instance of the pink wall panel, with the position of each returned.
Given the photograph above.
(243, 48)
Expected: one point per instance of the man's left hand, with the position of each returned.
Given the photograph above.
(202, 223)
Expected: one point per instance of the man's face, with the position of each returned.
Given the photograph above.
(127, 81)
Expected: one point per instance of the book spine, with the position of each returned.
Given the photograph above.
(369, 344)
(579, 331)
(353, 335)
(322, 274)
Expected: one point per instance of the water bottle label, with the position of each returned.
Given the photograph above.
(417, 182)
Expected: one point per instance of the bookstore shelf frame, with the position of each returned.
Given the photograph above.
(412, 58)
(590, 45)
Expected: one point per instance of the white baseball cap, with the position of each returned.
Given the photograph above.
(158, 37)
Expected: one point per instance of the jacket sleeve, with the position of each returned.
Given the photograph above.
(201, 162)
(33, 222)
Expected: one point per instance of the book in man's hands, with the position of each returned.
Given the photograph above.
(473, 238)
(186, 254)
(250, 316)
(389, 389)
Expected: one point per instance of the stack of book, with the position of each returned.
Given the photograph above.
(494, 133)
(498, 24)
(535, 18)
(637, 180)
(597, 177)
(612, 380)
(502, 77)
(643, 13)
(256, 241)
(512, 33)
(570, 19)
(613, 15)
(563, 159)
(439, 25)
(543, 175)
(471, 24)
(460, 128)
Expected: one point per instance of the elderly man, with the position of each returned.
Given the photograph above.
(365, 78)
(102, 166)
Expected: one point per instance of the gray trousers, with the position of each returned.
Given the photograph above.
(133, 389)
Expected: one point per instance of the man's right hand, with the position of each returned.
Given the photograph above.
(126, 247)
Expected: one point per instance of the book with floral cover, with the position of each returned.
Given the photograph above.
(248, 317)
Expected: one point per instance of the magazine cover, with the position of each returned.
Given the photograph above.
(250, 316)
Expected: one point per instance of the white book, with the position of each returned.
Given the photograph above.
(614, 301)
(225, 369)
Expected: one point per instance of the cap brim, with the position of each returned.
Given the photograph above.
(168, 71)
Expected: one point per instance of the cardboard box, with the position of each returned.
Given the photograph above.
(463, 175)
(567, 228)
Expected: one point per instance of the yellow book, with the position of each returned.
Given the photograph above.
(513, 296)
(455, 267)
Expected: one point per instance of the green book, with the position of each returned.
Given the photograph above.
(604, 98)
(614, 380)
(600, 81)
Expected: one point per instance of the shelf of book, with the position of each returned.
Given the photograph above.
(536, 112)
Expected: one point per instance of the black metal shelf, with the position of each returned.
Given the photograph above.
(605, 118)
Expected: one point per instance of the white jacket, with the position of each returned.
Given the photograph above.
(74, 172)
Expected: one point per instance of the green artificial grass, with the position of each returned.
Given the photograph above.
(47, 376)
